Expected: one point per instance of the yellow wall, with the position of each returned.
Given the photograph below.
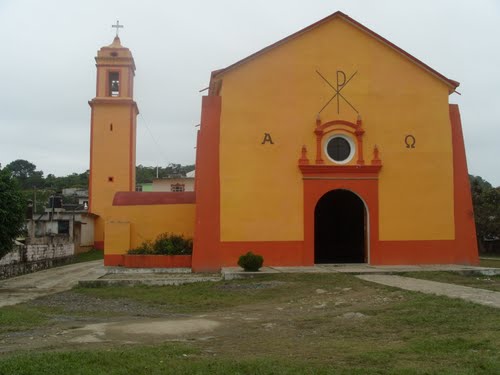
(279, 92)
(117, 237)
(147, 222)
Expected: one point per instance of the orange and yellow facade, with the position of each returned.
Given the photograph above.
(334, 107)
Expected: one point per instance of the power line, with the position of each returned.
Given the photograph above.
(159, 153)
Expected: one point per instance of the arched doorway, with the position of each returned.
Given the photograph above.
(340, 228)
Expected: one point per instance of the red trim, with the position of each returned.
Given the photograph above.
(148, 261)
(453, 84)
(326, 125)
(99, 245)
(420, 252)
(137, 198)
(97, 82)
(115, 101)
(131, 161)
(321, 130)
(91, 157)
(275, 253)
(314, 189)
(369, 171)
(206, 254)
(465, 228)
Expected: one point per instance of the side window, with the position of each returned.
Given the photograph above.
(177, 188)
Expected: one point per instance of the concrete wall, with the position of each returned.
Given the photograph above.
(41, 254)
(165, 184)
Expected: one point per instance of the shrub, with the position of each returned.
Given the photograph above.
(165, 244)
(144, 248)
(250, 262)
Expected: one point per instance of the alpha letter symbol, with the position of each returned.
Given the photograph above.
(267, 138)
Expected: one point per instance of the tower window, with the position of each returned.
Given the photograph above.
(114, 84)
(177, 188)
(111, 179)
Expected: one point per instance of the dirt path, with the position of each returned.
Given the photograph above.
(481, 296)
(26, 287)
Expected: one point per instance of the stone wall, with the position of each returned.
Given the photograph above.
(44, 253)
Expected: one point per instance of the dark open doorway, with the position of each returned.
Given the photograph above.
(339, 228)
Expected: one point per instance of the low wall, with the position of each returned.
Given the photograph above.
(17, 269)
(35, 257)
(147, 261)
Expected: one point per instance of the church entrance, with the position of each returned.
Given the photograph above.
(339, 228)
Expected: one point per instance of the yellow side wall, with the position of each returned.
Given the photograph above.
(117, 237)
(147, 222)
(279, 92)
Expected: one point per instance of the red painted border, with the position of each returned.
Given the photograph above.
(148, 261)
(131, 162)
(137, 198)
(453, 84)
(99, 245)
(275, 253)
(368, 171)
(465, 227)
(91, 157)
(420, 252)
(206, 255)
(314, 189)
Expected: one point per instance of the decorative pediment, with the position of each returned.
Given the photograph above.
(343, 145)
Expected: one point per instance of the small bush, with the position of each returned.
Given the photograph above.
(144, 248)
(250, 262)
(165, 244)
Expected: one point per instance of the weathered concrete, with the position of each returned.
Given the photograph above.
(38, 254)
(156, 279)
(481, 296)
(23, 288)
(130, 331)
(229, 273)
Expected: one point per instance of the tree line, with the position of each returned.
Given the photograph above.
(37, 187)
(20, 180)
(29, 177)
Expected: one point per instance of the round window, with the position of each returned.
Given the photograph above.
(340, 149)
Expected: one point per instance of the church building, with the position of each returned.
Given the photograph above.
(332, 145)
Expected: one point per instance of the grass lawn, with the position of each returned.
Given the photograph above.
(277, 324)
(491, 262)
(88, 256)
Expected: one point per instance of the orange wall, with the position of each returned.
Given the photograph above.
(279, 92)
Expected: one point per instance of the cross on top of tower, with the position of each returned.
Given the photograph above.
(118, 27)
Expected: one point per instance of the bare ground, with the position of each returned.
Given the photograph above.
(83, 321)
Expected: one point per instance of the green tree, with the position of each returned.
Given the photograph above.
(26, 174)
(486, 200)
(12, 211)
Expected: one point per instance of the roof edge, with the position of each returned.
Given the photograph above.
(451, 83)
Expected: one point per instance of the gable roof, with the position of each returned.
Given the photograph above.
(451, 83)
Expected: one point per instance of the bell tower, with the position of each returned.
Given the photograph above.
(112, 132)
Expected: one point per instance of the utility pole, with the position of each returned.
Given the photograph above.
(34, 199)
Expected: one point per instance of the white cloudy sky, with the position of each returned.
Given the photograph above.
(47, 71)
